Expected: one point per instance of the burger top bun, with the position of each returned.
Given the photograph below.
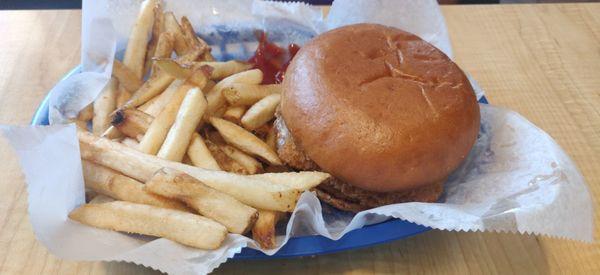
(379, 108)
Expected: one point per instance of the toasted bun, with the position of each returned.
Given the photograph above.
(379, 108)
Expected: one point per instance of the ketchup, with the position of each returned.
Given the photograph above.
(271, 59)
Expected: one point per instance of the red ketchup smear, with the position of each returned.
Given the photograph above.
(271, 59)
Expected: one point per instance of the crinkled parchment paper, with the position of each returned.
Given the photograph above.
(516, 179)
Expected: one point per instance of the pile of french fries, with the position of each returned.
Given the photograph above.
(182, 155)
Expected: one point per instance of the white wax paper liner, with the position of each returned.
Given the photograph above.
(516, 179)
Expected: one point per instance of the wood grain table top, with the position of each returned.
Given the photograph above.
(542, 61)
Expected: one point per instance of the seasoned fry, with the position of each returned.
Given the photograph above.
(172, 26)
(87, 113)
(243, 94)
(261, 112)
(224, 69)
(135, 54)
(132, 122)
(126, 77)
(130, 142)
(154, 86)
(182, 227)
(189, 115)
(244, 140)
(110, 183)
(251, 165)
(154, 106)
(264, 191)
(234, 215)
(215, 97)
(190, 36)
(159, 128)
(264, 229)
(199, 154)
(234, 114)
(104, 105)
(157, 29)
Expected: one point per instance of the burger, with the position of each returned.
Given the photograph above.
(387, 114)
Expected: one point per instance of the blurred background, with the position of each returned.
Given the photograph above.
(76, 4)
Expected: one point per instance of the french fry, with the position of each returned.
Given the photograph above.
(261, 112)
(123, 95)
(224, 69)
(135, 53)
(154, 106)
(264, 229)
(104, 105)
(244, 140)
(234, 114)
(182, 227)
(199, 154)
(226, 210)
(159, 128)
(172, 26)
(110, 183)
(132, 122)
(127, 78)
(262, 191)
(130, 142)
(80, 124)
(271, 139)
(190, 36)
(244, 94)
(189, 115)
(154, 86)
(87, 113)
(251, 165)
(215, 97)
(101, 199)
(225, 162)
(157, 29)
(197, 77)
(166, 43)
(209, 85)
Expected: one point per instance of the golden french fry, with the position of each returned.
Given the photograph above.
(87, 113)
(157, 29)
(101, 199)
(264, 191)
(190, 36)
(159, 128)
(251, 165)
(215, 97)
(243, 94)
(199, 154)
(165, 45)
(132, 122)
(123, 95)
(197, 77)
(226, 210)
(222, 70)
(111, 183)
(209, 85)
(244, 140)
(154, 86)
(188, 117)
(172, 26)
(225, 162)
(261, 112)
(154, 106)
(182, 227)
(264, 229)
(135, 54)
(130, 142)
(234, 113)
(126, 77)
(104, 105)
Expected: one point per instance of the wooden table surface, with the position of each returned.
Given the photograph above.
(540, 60)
